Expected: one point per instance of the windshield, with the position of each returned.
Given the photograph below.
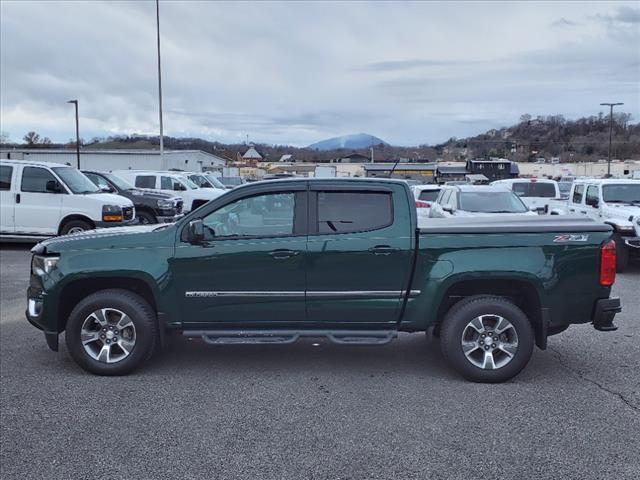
(534, 189)
(200, 181)
(491, 202)
(75, 180)
(621, 193)
(215, 181)
(118, 182)
(428, 195)
(188, 183)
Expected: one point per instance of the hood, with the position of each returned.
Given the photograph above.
(108, 199)
(620, 210)
(150, 236)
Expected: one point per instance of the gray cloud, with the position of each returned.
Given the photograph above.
(299, 72)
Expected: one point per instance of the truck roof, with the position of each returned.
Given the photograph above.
(605, 181)
(33, 163)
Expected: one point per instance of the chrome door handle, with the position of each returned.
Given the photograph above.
(383, 250)
(282, 253)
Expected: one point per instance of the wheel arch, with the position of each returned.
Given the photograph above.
(523, 292)
(74, 216)
(78, 288)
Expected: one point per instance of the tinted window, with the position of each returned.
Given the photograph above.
(592, 195)
(428, 195)
(491, 202)
(621, 193)
(344, 212)
(5, 177)
(534, 189)
(577, 194)
(146, 181)
(259, 216)
(35, 179)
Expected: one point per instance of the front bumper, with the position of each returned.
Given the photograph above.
(36, 317)
(124, 223)
(603, 313)
(169, 218)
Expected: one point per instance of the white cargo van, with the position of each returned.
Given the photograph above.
(42, 199)
(171, 182)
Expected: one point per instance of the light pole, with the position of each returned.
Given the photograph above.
(610, 105)
(75, 102)
(160, 86)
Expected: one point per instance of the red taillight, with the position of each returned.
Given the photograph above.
(608, 263)
(421, 204)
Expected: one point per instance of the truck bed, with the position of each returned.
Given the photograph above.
(514, 224)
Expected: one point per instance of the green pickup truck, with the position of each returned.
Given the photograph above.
(341, 259)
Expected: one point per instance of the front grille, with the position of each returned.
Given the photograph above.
(179, 207)
(127, 213)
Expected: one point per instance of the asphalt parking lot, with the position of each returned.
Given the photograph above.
(305, 411)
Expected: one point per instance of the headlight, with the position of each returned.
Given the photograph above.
(41, 265)
(625, 229)
(111, 213)
(166, 204)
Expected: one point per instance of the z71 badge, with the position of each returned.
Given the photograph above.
(571, 238)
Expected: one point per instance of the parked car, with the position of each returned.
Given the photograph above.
(171, 182)
(151, 206)
(215, 181)
(41, 199)
(615, 202)
(476, 200)
(231, 182)
(342, 259)
(425, 195)
(535, 193)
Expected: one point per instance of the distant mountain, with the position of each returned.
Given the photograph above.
(353, 142)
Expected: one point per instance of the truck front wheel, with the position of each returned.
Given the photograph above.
(487, 339)
(111, 332)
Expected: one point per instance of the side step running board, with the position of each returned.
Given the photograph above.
(341, 337)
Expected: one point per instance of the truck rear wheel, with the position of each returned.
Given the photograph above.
(487, 339)
(622, 253)
(111, 332)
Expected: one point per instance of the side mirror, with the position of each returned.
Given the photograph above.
(53, 186)
(449, 209)
(195, 231)
(178, 187)
(106, 189)
(593, 203)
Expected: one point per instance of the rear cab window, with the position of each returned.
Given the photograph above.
(428, 195)
(353, 211)
(146, 181)
(6, 171)
(534, 189)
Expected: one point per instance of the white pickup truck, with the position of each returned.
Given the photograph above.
(537, 194)
(615, 202)
(171, 182)
(43, 199)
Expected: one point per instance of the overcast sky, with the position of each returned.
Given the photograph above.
(297, 72)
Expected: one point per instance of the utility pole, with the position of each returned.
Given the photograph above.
(610, 105)
(75, 102)
(162, 160)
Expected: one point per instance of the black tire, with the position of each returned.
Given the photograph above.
(146, 218)
(622, 253)
(74, 225)
(140, 313)
(464, 312)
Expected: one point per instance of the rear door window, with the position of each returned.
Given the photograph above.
(34, 179)
(146, 181)
(5, 177)
(348, 212)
